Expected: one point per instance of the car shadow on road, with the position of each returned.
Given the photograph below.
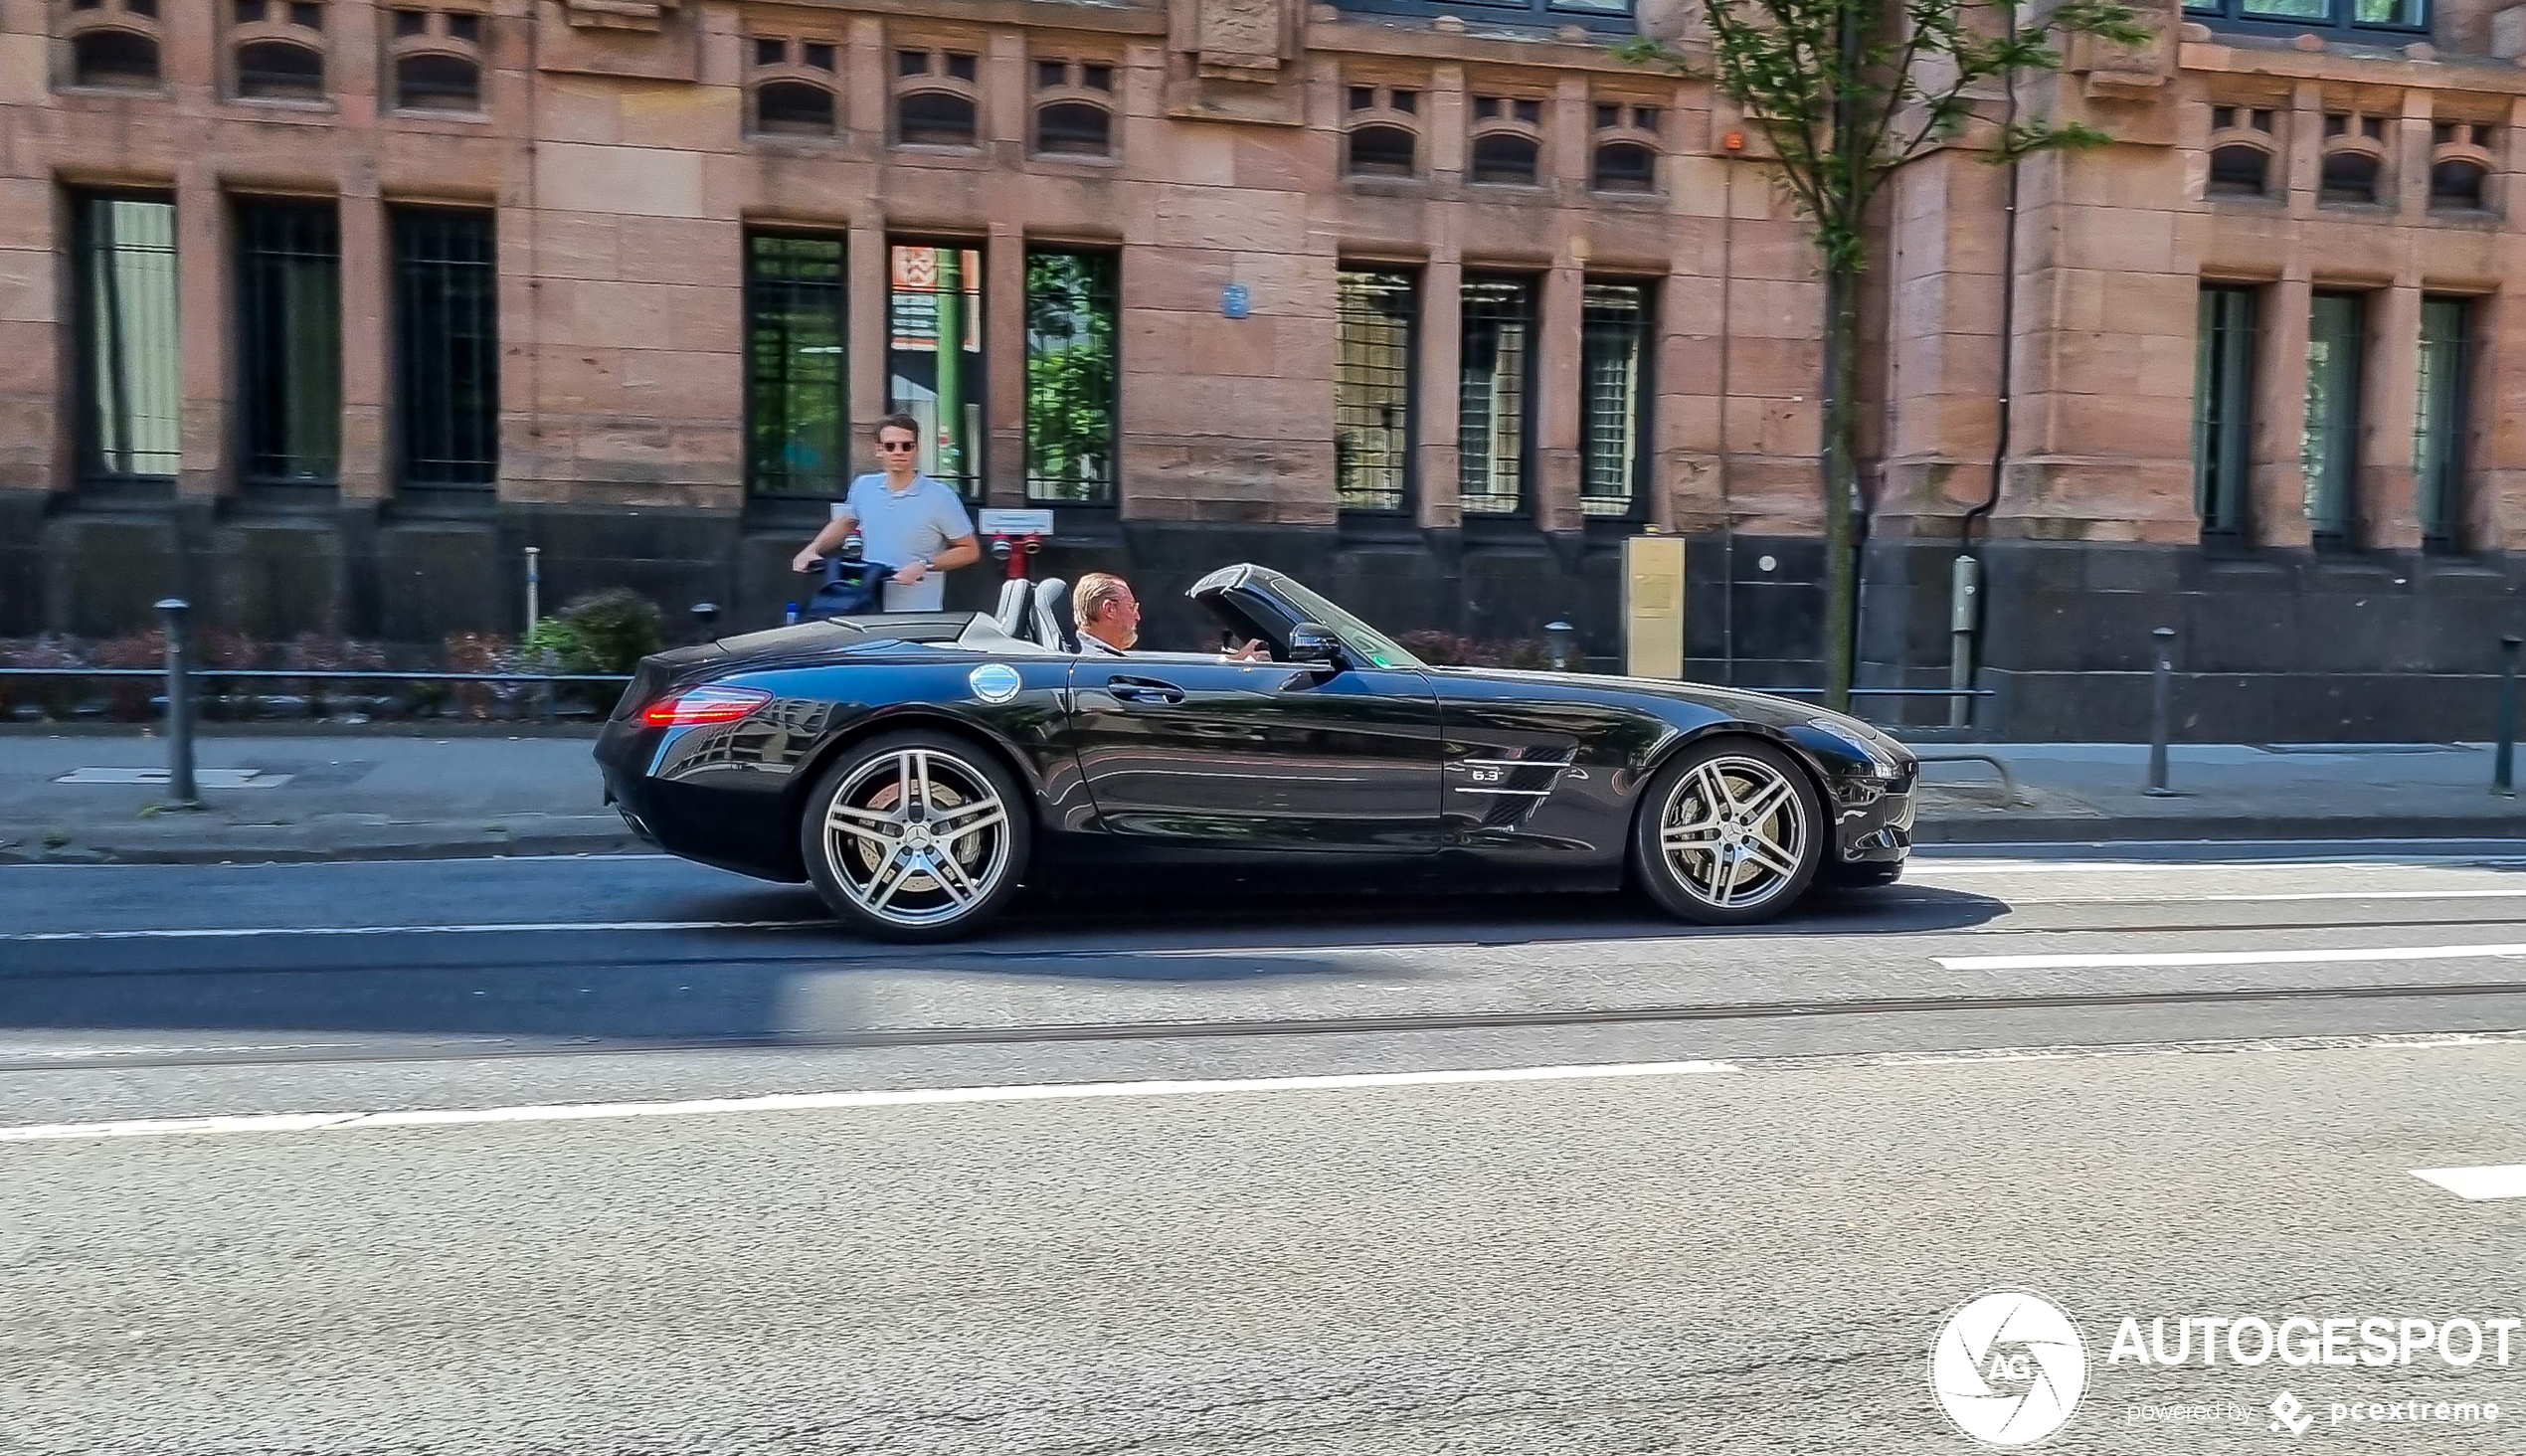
(764, 965)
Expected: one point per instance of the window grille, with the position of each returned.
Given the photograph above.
(447, 309)
(1372, 388)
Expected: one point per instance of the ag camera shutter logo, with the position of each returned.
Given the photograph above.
(2008, 1367)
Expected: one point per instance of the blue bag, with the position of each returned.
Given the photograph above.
(852, 589)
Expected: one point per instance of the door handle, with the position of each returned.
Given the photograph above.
(1143, 691)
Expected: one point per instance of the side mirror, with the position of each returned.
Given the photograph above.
(1312, 643)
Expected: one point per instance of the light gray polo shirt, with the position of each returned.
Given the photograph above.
(894, 529)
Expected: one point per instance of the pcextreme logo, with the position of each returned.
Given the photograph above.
(2008, 1367)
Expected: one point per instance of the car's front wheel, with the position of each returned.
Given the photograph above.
(915, 835)
(1729, 832)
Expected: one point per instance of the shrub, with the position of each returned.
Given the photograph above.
(1449, 650)
(616, 628)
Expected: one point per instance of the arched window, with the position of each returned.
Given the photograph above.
(1504, 157)
(1626, 166)
(433, 81)
(2456, 184)
(2240, 171)
(1073, 129)
(934, 118)
(1381, 151)
(114, 57)
(2349, 177)
(278, 69)
(794, 107)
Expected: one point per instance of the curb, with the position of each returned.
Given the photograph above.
(2203, 829)
(1976, 830)
(471, 847)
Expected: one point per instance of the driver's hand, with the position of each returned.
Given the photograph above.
(1252, 651)
(805, 561)
(911, 572)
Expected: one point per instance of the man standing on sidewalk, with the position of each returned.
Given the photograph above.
(905, 520)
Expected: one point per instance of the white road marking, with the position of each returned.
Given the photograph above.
(1985, 846)
(2155, 897)
(2354, 955)
(312, 1121)
(1932, 865)
(247, 932)
(2478, 1185)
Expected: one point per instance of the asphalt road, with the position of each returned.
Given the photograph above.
(655, 1162)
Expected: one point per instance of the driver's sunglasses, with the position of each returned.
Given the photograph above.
(891, 446)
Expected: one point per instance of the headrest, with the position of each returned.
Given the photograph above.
(1053, 624)
(1016, 605)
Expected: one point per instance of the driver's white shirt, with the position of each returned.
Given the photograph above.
(1092, 645)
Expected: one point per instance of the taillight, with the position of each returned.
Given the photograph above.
(705, 705)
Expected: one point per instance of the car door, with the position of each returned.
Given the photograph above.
(1259, 755)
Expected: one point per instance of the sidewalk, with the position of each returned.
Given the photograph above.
(386, 797)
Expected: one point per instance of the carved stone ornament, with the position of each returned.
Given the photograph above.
(1239, 35)
(634, 15)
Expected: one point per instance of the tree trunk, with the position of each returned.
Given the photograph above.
(1841, 479)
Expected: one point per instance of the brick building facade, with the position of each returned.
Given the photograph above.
(321, 312)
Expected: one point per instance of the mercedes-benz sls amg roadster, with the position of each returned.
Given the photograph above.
(918, 768)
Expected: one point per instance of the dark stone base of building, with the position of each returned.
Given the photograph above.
(2270, 647)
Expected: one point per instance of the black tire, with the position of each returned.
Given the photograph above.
(1710, 868)
(895, 876)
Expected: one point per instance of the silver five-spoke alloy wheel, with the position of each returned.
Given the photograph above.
(1733, 830)
(916, 836)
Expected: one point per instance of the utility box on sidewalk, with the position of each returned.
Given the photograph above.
(1653, 607)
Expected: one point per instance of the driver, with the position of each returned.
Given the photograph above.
(1108, 618)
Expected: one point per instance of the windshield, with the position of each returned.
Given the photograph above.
(1372, 645)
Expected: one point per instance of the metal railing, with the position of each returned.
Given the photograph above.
(180, 676)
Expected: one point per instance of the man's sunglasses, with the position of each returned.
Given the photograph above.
(890, 445)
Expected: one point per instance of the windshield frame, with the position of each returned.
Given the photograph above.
(1373, 647)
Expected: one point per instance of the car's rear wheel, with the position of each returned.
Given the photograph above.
(1729, 832)
(915, 835)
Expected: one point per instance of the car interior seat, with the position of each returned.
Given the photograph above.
(1013, 608)
(1054, 627)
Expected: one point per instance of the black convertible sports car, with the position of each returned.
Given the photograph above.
(917, 767)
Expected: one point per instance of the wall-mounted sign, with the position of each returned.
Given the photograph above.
(1233, 300)
(999, 522)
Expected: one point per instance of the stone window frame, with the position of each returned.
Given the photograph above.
(437, 38)
(798, 66)
(280, 26)
(2353, 132)
(1382, 105)
(2472, 141)
(140, 19)
(938, 77)
(1075, 89)
(1635, 122)
(1506, 110)
(2256, 125)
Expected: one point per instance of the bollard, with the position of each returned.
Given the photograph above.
(2503, 759)
(705, 620)
(534, 587)
(2161, 709)
(180, 791)
(1560, 634)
